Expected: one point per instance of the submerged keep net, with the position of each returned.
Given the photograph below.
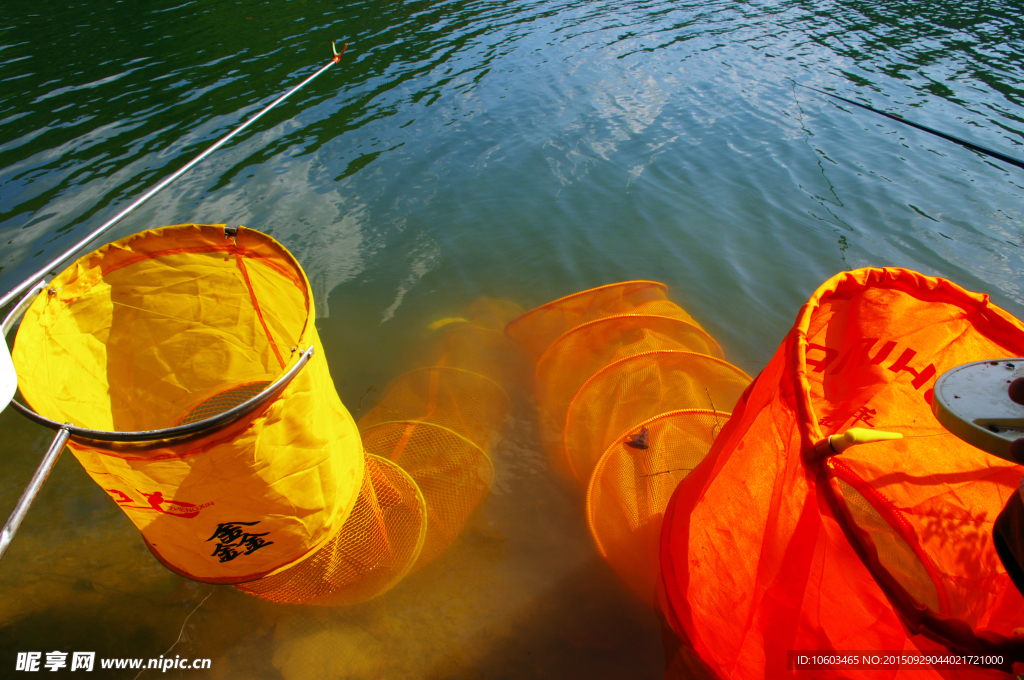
(440, 421)
(430, 436)
(631, 392)
(165, 329)
(775, 542)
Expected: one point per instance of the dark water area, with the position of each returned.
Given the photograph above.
(521, 150)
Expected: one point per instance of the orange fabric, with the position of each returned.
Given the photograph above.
(887, 546)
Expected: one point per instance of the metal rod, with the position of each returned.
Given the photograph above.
(938, 133)
(99, 231)
(32, 490)
(159, 437)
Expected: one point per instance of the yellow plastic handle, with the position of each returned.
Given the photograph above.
(838, 443)
(441, 323)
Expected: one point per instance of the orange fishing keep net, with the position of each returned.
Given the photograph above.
(631, 487)
(618, 396)
(630, 393)
(535, 331)
(427, 448)
(770, 545)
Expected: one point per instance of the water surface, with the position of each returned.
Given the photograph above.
(522, 150)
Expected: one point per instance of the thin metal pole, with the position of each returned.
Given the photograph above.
(32, 490)
(73, 250)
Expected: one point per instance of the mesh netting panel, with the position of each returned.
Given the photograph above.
(224, 401)
(630, 489)
(467, 403)
(378, 545)
(453, 473)
(583, 351)
(634, 389)
(534, 331)
(894, 554)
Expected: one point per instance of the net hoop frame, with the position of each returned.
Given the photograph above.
(616, 364)
(178, 432)
(592, 482)
(718, 353)
(548, 305)
(435, 426)
(146, 439)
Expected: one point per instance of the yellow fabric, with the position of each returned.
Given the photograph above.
(144, 331)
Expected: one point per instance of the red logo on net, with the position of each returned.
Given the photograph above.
(156, 501)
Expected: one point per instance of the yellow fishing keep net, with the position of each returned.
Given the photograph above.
(428, 444)
(165, 327)
(631, 393)
(176, 325)
(440, 422)
(373, 551)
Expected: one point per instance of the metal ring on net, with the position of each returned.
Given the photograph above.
(159, 437)
(210, 424)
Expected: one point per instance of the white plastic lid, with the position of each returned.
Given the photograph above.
(972, 402)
